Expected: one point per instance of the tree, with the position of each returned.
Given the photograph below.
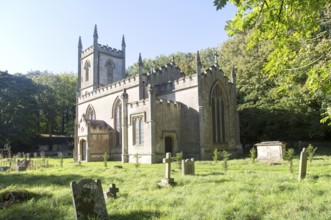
(299, 32)
(18, 112)
(56, 102)
(266, 111)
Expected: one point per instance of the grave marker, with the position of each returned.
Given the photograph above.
(188, 167)
(303, 164)
(22, 165)
(271, 151)
(112, 190)
(88, 199)
(167, 181)
(42, 154)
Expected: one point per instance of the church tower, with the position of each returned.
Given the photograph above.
(99, 65)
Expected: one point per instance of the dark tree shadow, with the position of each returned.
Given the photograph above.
(36, 180)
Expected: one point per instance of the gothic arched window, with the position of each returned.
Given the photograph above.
(118, 124)
(110, 70)
(87, 69)
(218, 115)
(90, 113)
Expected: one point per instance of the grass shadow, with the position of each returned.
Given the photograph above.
(210, 174)
(37, 180)
(136, 215)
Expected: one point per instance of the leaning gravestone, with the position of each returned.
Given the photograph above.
(88, 199)
(188, 167)
(167, 181)
(303, 164)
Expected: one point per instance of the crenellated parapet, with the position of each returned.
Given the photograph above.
(213, 72)
(88, 51)
(165, 73)
(135, 104)
(110, 51)
(103, 49)
(168, 104)
(115, 87)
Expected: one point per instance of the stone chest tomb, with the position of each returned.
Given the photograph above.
(271, 151)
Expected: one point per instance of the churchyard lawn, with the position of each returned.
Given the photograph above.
(245, 191)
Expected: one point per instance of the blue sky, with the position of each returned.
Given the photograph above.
(43, 34)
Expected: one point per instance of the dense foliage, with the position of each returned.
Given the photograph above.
(33, 104)
(18, 112)
(299, 33)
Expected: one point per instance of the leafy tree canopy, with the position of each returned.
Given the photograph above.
(299, 32)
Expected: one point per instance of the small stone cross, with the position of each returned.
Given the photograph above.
(112, 190)
(167, 161)
(167, 181)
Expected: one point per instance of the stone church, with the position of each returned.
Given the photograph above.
(150, 113)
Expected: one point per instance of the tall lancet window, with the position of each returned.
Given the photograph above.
(90, 113)
(218, 115)
(110, 70)
(138, 130)
(87, 66)
(118, 124)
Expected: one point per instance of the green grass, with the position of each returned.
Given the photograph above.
(245, 191)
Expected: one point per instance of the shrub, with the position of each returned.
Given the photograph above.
(105, 159)
(137, 164)
(311, 151)
(225, 157)
(252, 155)
(216, 155)
(179, 158)
(289, 155)
(61, 159)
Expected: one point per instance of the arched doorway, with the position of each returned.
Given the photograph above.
(83, 150)
(168, 144)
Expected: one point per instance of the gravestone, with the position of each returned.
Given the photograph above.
(88, 199)
(19, 155)
(4, 168)
(271, 151)
(188, 167)
(22, 165)
(42, 154)
(111, 192)
(35, 155)
(167, 181)
(303, 164)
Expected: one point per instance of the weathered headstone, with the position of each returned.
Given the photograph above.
(42, 154)
(19, 155)
(4, 168)
(35, 155)
(303, 164)
(22, 165)
(88, 199)
(167, 181)
(188, 167)
(111, 192)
